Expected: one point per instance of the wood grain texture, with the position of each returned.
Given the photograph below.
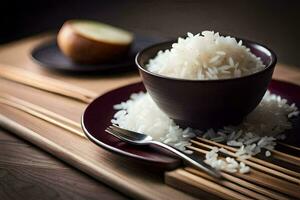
(124, 175)
(26, 172)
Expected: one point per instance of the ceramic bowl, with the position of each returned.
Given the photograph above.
(207, 103)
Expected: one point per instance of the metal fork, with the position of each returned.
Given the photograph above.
(142, 139)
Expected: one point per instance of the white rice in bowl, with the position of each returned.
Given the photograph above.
(206, 56)
(258, 131)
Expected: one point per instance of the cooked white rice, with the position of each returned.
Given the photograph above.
(258, 131)
(206, 56)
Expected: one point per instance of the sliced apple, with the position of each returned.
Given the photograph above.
(87, 41)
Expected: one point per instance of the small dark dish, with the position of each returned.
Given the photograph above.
(207, 103)
(50, 56)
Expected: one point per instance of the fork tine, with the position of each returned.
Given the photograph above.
(125, 131)
(110, 131)
(117, 128)
(130, 134)
(114, 127)
(120, 135)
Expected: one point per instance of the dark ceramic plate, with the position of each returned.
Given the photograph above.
(98, 114)
(49, 55)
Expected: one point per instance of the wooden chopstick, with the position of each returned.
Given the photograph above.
(22, 72)
(241, 185)
(289, 146)
(211, 187)
(286, 157)
(40, 109)
(40, 113)
(262, 162)
(45, 83)
(248, 162)
(271, 182)
(256, 188)
(47, 87)
(265, 179)
(230, 185)
(254, 159)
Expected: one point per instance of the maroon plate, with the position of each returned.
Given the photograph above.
(99, 113)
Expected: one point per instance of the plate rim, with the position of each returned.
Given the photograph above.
(162, 164)
(113, 149)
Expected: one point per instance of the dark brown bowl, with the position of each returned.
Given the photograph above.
(207, 103)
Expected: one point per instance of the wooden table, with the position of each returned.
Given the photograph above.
(25, 170)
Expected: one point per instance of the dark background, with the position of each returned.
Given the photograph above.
(271, 22)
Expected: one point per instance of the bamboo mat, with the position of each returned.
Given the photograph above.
(125, 176)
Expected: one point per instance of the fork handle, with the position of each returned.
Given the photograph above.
(190, 159)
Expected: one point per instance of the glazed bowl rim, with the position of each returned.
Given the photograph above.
(259, 47)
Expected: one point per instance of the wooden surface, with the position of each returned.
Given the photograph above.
(27, 171)
(127, 177)
(130, 178)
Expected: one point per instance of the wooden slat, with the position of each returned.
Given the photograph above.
(289, 146)
(43, 117)
(229, 184)
(271, 182)
(250, 163)
(268, 179)
(26, 77)
(254, 159)
(256, 188)
(204, 185)
(286, 157)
